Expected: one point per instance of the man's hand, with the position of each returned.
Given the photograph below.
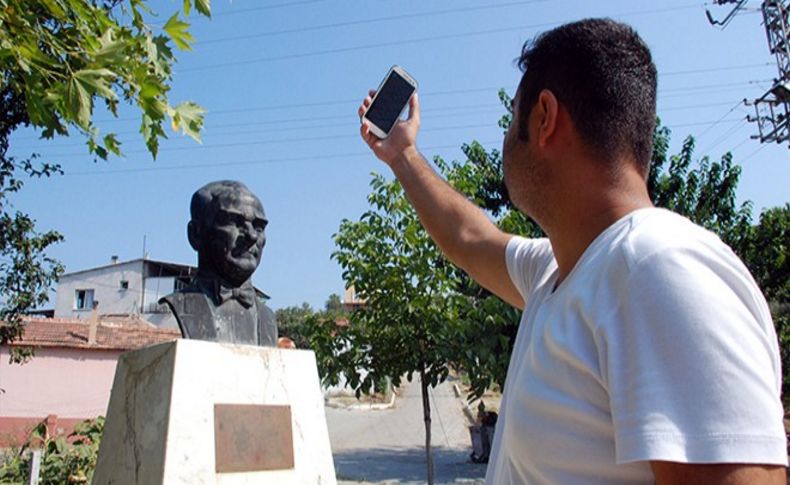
(403, 137)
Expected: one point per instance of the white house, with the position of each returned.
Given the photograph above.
(122, 288)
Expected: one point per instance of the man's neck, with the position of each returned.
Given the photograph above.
(587, 215)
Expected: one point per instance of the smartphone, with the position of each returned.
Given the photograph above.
(390, 100)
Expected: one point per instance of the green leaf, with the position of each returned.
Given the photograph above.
(151, 130)
(79, 104)
(111, 51)
(54, 8)
(29, 54)
(159, 53)
(188, 117)
(98, 81)
(177, 30)
(204, 7)
(112, 144)
(187, 7)
(151, 98)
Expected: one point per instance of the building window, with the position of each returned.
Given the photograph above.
(180, 283)
(124, 285)
(83, 299)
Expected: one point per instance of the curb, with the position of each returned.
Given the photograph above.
(470, 415)
(363, 407)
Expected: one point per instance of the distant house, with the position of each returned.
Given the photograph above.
(122, 288)
(70, 377)
(351, 301)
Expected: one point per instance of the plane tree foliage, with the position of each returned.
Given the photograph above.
(61, 61)
(61, 57)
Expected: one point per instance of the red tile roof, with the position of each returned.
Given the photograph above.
(112, 333)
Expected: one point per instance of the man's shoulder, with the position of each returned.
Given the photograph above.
(664, 250)
(522, 248)
(659, 248)
(528, 262)
(660, 233)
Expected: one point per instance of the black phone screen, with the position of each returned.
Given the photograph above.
(389, 102)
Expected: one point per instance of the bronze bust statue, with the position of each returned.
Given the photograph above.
(227, 229)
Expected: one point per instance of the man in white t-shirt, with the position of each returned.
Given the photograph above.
(646, 351)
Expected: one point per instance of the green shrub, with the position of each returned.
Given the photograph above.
(64, 459)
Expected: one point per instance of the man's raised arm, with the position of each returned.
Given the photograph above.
(460, 229)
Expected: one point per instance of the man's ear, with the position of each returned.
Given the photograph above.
(547, 108)
(193, 234)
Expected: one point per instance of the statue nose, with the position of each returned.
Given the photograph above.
(250, 231)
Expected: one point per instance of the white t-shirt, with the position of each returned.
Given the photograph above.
(657, 346)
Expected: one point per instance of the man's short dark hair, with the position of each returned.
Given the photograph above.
(602, 72)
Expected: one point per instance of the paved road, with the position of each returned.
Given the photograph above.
(387, 446)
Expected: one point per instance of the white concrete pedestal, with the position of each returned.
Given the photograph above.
(160, 425)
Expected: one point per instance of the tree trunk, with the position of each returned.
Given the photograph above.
(426, 411)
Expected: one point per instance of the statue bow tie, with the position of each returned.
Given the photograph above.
(245, 296)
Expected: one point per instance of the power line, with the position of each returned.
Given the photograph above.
(694, 106)
(726, 135)
(321, 138)
(715, 69)
(364, 21)
(722, 118)
(749, 156)
(466, 108)
(704, 123)
(264, 7)
(258, 60)
(268, 142)
(425, 14)
(313, 104)
(349, 117)
(701, 93)
(739, 145)
(352, 121)
(315, 158)
(404, 42)
(712, 86)
(252, 162)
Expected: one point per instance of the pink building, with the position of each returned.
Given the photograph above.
(70, 377)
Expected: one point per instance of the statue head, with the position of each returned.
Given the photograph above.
(227, 230)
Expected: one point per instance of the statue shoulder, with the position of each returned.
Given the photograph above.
(267, 321)
(193, 313)
(185, 298)
(264, 310)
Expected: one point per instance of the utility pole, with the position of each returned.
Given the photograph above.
(772, 109)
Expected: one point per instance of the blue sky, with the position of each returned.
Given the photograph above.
(282, 80)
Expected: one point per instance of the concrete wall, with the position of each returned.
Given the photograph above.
(60, 386)
(106, 285)
(70, 383)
